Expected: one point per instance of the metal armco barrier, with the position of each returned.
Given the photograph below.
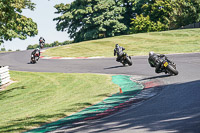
(4, 75)
(194, 25)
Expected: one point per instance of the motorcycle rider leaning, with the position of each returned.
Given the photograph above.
(154, 61)
(41, 42)
(119, 51)
(36, 53)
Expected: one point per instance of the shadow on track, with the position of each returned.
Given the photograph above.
(177, 110)
(114, 67)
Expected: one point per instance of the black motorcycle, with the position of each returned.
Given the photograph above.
(168, 67)
(125, 59)
(34, 58)
(41, 44)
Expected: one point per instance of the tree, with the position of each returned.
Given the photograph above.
(167, 13)
(55, 43)
(158, 10)
(66, 42)
(12, 23)
(184, 12)
(153, 16)
(35, 46)
(3, 49)
(29, 47)
(90, 19)
(144, 24)
(131, 8)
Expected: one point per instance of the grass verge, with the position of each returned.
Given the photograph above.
(166, 42)
(37, 98)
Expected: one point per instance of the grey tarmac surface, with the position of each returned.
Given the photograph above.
(175, 109)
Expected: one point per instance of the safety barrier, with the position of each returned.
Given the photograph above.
(194, 25)
(4, 75)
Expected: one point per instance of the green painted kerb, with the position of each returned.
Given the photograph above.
(129, 89)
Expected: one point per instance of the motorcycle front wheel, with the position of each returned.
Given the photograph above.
(172, 70)
(128, 60)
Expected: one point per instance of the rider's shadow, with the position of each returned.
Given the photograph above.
(114, 67)
(29, 63)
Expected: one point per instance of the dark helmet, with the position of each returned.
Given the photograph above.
(116, 45)
(41, 38)
(151, 53)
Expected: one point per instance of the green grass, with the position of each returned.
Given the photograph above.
(37, 98)
(166, 42)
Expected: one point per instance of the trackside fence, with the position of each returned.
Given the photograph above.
(194, 25)
(4, 75)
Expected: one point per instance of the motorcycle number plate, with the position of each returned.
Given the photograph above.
(165, 64)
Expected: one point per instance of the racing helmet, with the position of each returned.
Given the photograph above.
(151, 53)
(116, 45)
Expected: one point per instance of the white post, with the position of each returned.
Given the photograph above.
(4, 75)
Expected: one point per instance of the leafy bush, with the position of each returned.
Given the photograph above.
(3, 49)
(144, 24)
(159, 15)
(32, 46)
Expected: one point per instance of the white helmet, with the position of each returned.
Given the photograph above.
(151, 53)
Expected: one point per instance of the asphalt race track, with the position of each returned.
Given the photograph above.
(175, 109)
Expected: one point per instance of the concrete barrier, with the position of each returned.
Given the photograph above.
(4, 75)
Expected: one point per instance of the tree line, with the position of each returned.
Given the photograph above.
(92, 19)
(46, 45)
